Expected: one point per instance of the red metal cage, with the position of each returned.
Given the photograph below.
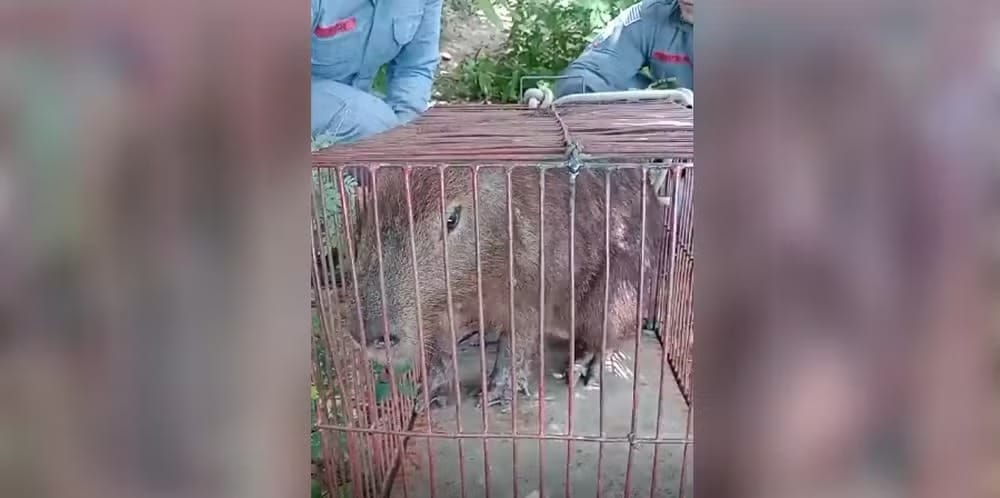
(630, 437)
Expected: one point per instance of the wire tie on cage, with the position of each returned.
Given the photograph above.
(574, 160)
(658, 180)
(574, 151)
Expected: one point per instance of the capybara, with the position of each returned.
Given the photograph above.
(423, 251)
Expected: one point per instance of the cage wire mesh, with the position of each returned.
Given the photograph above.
(561, 200)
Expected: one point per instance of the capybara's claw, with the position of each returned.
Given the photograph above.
(495, 397)
(499, 392)
(579, 370)
(440, 400)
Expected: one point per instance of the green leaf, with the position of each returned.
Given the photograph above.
(487, 7)
(380, 83)
(485, 81)
(316, 446)
(408, 389)
(664, 84)
(382, 391)
(316, 489)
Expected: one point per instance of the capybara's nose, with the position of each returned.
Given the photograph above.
(379, 342)
(377, 336)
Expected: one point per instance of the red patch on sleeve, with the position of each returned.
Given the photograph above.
(670, 58)
(341, 26)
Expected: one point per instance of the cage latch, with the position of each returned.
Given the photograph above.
(574, 158)
(658, 180)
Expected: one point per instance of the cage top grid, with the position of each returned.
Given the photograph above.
(492, 134)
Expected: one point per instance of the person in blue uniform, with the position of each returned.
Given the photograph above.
(351, 40)
(658, 34)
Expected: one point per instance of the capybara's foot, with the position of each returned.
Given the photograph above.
(474, 340)
(592, 374)
(439, 400)
(500, 388)
(583, 368)
(439, 387)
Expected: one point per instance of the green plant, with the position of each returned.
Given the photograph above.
(333, 412)
(380, 83)
(544, 37)
(383, 390)
(328, 192)
(488, 8)
(665, 84)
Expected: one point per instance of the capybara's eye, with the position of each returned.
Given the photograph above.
(453, 218)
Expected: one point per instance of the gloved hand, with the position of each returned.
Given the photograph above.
(538, 98)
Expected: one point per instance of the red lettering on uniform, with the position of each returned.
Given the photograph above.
(341, 26)
(671, 58)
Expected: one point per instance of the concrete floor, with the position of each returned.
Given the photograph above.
(448, 467)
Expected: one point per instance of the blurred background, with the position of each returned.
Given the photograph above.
(153, 312)
(154, 183)
(847, 227)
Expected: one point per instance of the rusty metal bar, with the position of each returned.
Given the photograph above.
(395, 402)
(381, 446)
(571, 374)
(541, 329)
(681, 335)
(513, 333)
(482, 328)
(683, 473)
(321, 409)
(420, 315)
(379, 449)
(638, 339)
(669, 439)
(604, 316)
(354, 271)
(687, 355)
(351, 443)
(451, 327)
(660, 298)
(674, 213)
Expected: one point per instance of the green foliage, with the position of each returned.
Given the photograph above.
(326, 382)
(382, 388)
(380, 83)
(544, 37)
(328, 192)
(320, 142)
(664, 84)
(329, 200)
(489, 10)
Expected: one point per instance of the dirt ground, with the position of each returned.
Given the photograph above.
(541, 468)
(464, 33)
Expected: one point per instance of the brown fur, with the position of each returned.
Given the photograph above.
(428, 250)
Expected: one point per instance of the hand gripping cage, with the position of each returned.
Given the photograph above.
(631, 437)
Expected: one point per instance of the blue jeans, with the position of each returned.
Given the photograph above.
(345, 113)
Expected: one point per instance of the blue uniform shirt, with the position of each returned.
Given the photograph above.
(649, 33)
(351, 40)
